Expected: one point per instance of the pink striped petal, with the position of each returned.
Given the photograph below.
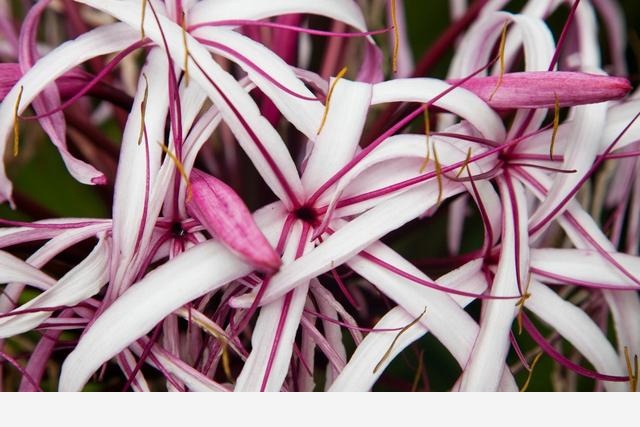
(223, 213)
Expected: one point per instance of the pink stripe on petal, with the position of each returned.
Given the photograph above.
(540, 89)
(223, 213)
(9, 75)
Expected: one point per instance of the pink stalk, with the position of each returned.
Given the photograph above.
(223, 213)
(561, 359)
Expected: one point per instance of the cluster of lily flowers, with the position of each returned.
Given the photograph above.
(531, 135)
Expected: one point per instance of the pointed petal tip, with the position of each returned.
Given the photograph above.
(99, 180)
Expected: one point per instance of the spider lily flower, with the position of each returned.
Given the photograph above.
(333, 210)
(290, 230)
(364, 216)
(194, 38)
(143, 180)
(204, 30)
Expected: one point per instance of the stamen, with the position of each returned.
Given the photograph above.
(427, 133)
(503, 42)
(438, 174)
(16, 124)
(226, 364)
(402, 331)
(328, 100)
(632, 370)
(525, 386)
(556, 124)
(143, 108)
(183, 24)
(144, 12)
(465, 165)
(180, 168)
(396, 37)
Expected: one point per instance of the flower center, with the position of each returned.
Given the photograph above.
(177, 230)
(307, 214)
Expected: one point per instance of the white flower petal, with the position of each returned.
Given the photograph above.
(82, 282)
(349, 240)
(138, 169)
(193, 273)
(101, 41)
(583, 266)
(304, 114)
(258, 138)
(358, 374)
(577, 328)
(618, 117)
(584, 140)
(220, 10)
(57, 243)
(486, 363)
(340, 135)
(277, 325)
(189, 376)
(459, 101)
(585, 234)
(444, 316)
(13, 269)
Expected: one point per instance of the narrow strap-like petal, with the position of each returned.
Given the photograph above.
(205, 267)
(577, 328)
(82, 282)
(273, 337)
(258, 138)
(103, 40)
(350, 239)
(486, 363)
(339, 134)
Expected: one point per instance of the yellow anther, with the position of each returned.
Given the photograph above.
(632, 369)
(427, 134)
(226, 364)
(402, 331)
(556, 124)
(465, 165)
(328, 100)
(143, 108)
(503, 42)
(143, 14)
(396, 37)
(533, 365)
(16, 123)
(210, 327)
(180, 168)
(183, 24)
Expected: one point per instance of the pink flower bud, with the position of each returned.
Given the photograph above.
(541, 89)
(223, 213)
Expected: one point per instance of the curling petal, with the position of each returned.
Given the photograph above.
(203, 268)
(82, 282)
